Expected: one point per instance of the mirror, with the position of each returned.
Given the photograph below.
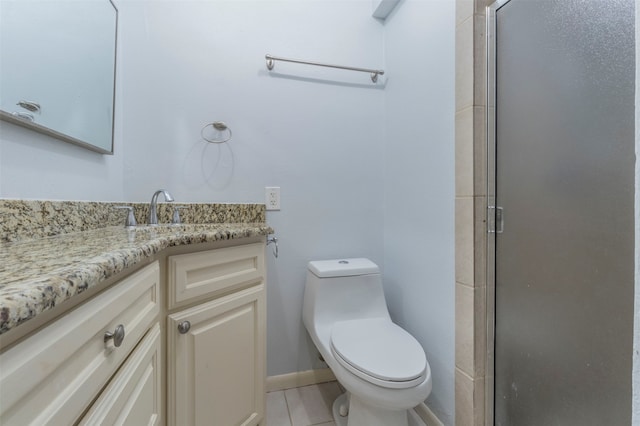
(57, 68)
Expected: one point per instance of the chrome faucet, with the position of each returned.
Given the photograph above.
(153, 209)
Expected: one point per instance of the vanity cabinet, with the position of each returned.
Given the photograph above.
(180, 342)
(52, 376)
(216, 337)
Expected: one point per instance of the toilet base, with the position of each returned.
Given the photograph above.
(337, 418)
(361, 414)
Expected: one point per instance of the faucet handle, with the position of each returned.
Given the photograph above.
(176, 215)
(131, 219)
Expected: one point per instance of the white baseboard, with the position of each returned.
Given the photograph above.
(427, 415)
(299, 378)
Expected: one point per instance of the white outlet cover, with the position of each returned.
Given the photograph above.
(272, 197)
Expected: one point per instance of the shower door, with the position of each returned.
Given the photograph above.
(564, 191)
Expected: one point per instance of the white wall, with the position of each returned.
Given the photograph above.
(318, 134)
(35, 166)
(419, 184)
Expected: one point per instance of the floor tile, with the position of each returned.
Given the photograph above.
(277, 411)
(311, 405)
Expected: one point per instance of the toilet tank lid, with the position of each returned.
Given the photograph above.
(343, 267)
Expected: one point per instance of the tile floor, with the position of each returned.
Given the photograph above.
(309, 406)
(304, 406)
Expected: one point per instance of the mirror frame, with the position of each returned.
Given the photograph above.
(5, 116)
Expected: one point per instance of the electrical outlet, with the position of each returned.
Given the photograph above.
(272, 195)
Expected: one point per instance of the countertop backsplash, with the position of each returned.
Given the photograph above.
(28, 219)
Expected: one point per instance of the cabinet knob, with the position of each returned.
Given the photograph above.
(117, 336)
(184, 327)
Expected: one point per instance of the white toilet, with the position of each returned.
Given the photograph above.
(382, 367)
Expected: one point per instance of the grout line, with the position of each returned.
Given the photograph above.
(465, 374)
(464, 109)
(459, 24)
(286, 401)
(471, 286)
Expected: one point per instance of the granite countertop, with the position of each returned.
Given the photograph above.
(39, 274)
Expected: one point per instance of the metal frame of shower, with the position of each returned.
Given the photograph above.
(490, 299)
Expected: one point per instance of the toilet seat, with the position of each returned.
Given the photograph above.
(380, 352)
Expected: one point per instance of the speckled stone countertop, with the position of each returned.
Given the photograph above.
(38, 274)
(27, 219)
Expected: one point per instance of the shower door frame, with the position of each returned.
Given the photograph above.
(490, 299)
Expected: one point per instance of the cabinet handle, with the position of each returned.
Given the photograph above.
(184, 327)
(117, 336)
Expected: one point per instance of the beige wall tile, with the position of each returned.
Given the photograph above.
(464, 10)
(471, 208)
(465, 329)
(479, 332)
(479, 151)
(471, 240)
(464, 399)
(464, 240)
(469, 400)
(471, 152)
(480, 241)
(478, 402)
(481, 5)
(464, 122)
(471, 330)
(464, 64)
(479, 61)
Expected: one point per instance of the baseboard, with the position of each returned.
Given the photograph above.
(427, 415)
(299, 378)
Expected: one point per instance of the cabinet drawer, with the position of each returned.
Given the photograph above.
(133, 395)
(213, 272)
(52, 376)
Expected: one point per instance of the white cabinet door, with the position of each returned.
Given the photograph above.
(133, 397)
(217, 367)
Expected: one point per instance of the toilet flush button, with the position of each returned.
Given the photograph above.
(343, 262)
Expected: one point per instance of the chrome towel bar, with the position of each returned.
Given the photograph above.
(272, 59)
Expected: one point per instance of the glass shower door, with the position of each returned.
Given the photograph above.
(564, 263)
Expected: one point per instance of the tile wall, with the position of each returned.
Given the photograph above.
(471, 208)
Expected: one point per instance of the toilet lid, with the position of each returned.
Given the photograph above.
(379, 351)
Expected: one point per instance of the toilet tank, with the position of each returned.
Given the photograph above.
(343, 289)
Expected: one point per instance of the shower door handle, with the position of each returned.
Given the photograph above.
(496, 220)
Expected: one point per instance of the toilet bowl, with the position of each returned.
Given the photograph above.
(383, 368)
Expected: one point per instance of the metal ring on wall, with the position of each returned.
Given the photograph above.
(218, 126)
